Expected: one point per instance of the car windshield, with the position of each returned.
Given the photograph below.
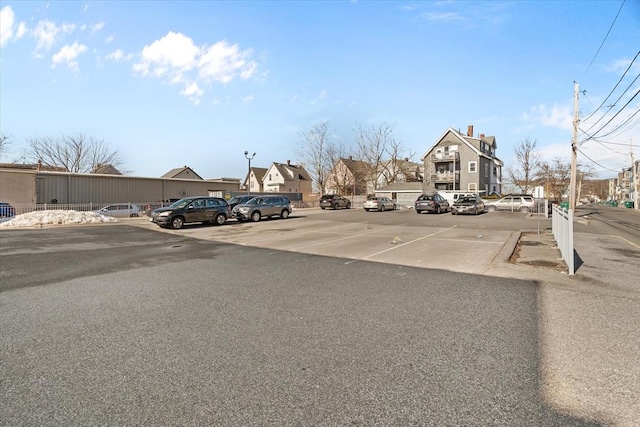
(181, 203)
(467, 199)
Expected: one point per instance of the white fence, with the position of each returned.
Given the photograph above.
(562, 226)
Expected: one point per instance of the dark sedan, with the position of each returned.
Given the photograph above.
(468, 205)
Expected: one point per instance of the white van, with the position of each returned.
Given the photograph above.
(453, 196)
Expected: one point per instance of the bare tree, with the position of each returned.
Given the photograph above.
(77, 153)
(523, 174)
(4, 142)
(316, 152)
(381, 154)
(555, 176)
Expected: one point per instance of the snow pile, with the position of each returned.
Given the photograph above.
(56, 217)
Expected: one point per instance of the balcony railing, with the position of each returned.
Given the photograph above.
(444, 177)
(444, 157)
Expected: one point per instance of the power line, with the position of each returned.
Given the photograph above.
(614, 116)
(593, 161)
(614, 88)
(605, 37)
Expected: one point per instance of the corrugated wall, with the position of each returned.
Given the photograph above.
(85, 188)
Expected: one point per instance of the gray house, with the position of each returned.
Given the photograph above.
(463, 162)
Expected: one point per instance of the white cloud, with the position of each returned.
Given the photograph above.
(97, 27)
(7, 30)
(110, 39)
(321, 97)
(247, 99)
(556, 116)
(69, 54)
(178, 60)
(119, 55)
(46, 32)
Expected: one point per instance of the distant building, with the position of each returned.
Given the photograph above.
(184, 172)
(463, 162)
(253, 181)
(286, 178)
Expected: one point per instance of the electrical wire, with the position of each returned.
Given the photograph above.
(593, 161)
(614, 88)
(614, 116)
(605, 37)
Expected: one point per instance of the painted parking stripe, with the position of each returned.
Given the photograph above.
(400, 245)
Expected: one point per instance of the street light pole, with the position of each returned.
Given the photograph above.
(246, 155)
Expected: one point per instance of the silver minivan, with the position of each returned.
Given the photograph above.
(262, 207)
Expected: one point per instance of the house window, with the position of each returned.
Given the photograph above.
(473, 167)
(472, 187)
(486, 171)
(495, 171)
(269, 177)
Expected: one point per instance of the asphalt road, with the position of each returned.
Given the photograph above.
(121, 325)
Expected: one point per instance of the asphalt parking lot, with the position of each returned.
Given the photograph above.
(467, 244)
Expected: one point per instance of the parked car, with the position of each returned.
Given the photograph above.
(468, 204)
(453, 196)
(6, 210)
(121, 210)
(512, 202)
(432, 203)
(208, 210)
(262, 207)
(334, 201)
(238, 200)
(379, 204)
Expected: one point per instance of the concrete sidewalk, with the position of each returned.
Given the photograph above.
(589, 323)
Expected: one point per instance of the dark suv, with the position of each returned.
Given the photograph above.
(334, 201)
(262, 207)
(209, 210)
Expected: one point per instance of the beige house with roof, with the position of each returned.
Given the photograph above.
(286, 178)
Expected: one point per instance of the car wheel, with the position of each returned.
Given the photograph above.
(134, 215)
(418, 212)
(284, 214)
(524, 209)
(177, 222)
(255, 217)
(491, 208)
(438, 210)
(221, 219)
(322, 207)
(394, 207)
(382, 208)
(348, 205)
(334, 207)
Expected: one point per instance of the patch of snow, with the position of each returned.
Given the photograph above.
(54, 217)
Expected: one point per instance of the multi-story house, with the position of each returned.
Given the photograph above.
(286, 178)
(347, 177)
(463, 162)
(253, 181)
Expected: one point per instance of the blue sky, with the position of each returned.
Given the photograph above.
(197, 83)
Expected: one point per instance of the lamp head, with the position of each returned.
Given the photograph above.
(246, 153)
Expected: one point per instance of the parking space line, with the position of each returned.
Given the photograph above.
(295, 248)
(400, 245)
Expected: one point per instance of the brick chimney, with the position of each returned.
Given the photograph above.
(470, 130)
(482, 135)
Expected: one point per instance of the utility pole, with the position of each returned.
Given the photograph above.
(574, 148)
(634, 177)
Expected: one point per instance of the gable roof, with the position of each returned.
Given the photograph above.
(259, 173)
(177, 171)
(353, 165)
(467, 141)
(289, 171)
(106, 169)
